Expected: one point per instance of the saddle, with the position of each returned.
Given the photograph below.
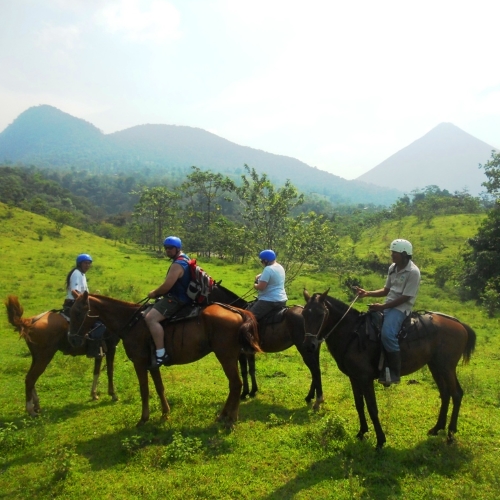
(273, 317)
(419, 324)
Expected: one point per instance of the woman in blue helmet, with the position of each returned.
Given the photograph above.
(76, 280)
(174, 295)
(270, 285)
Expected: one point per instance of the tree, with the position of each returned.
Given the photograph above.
(203, 192)
(265, 209)
(481, 273)
(156, 211)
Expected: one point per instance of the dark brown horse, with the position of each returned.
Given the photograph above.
(275, 337)
(46, 334)
(223, 330)
(440, 348)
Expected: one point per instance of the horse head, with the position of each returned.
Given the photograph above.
(80, 321)
(315, 315)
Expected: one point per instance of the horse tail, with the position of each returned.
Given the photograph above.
(15, 313)
(249, 333)
(471, 343)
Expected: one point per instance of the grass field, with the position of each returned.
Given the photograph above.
(279, 448)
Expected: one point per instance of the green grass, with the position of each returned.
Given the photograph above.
(279, 448)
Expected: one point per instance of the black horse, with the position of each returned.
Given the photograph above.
(275, 337)
(440, 348)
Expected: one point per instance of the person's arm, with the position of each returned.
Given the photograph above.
(76, 281)
(174, 273)
(382, 292)
(391, 304)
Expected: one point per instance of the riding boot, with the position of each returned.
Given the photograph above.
(392, 374)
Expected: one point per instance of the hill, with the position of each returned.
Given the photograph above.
(46, 137)
(446, 157)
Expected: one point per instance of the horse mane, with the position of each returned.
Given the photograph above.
(338, 306)
(105, 298)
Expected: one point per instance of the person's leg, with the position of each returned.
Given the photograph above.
(153, 319)
(393, 319)
(260, 308)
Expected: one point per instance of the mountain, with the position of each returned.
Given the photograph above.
(446, 157)
(47, 137)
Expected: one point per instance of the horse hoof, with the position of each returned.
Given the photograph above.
(253, 394)
(114, 397)
(432, 432)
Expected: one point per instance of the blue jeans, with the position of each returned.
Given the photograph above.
(393, 319)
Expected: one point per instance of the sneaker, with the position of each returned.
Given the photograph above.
(159, 361)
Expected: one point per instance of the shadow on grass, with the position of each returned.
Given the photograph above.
(362, 472)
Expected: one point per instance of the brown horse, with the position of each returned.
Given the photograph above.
(275, 337)
(440, 348)
(223, 330)
(46, 334)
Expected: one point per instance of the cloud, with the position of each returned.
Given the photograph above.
(155, 21)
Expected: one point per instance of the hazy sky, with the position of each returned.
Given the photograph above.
(340, 85)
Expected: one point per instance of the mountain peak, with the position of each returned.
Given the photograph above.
(446, 156)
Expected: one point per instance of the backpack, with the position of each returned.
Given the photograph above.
(201, 283)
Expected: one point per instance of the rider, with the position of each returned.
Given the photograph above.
(173, 293)
(76, 280)
(401, 288)
(270, 285)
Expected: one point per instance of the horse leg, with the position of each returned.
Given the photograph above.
(230, 411)
(456, 395)
(97, 371)
(311, 360)
(359, 403)
(110, 367)
(251, 369)
(142, 375)
(243, 361)
(160, 390)
(38, 365)
(368, 392)
(444, 394)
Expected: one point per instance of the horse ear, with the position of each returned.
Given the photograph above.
(324, 295)
(306, 295)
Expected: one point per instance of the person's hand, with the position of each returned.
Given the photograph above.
(360, 291)
(376, 307)
(152, 295)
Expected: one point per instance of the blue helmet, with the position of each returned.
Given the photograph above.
(268, 255)
(83, 257)
(173, 241)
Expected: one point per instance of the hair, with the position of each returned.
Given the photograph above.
(68, 276)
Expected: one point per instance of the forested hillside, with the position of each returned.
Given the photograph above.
(46, 137)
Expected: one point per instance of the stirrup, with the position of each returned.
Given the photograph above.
(159, 361)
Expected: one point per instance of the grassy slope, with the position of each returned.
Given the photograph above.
(280, 448)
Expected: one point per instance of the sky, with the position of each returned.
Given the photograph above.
(339, 85)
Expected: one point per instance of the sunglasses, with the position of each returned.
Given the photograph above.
(169, 247)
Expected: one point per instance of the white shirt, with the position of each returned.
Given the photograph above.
(404, 282)
(78, 282)
(274, 276)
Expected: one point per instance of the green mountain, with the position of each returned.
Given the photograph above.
(46, 137)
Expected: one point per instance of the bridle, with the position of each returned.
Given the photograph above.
(325, 317)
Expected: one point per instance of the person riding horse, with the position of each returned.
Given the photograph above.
(270, 285)
(174, 293)
(401, 288)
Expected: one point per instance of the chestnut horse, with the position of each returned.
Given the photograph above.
(275, 337)
(46, 334)
(440, 348)
(223, 330)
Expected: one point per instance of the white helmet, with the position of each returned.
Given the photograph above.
(401, 246)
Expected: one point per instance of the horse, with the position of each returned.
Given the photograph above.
(440, 348)
(218, 328)
(46, 334)
(275, 337)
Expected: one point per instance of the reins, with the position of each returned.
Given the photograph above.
(336, 324)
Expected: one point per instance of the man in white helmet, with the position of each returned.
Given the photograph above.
(401, 288)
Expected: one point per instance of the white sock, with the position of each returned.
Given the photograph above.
(160, 353)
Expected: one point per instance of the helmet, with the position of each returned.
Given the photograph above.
(267, 255)
(172, 241)
(401, 246)
(83, 257)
